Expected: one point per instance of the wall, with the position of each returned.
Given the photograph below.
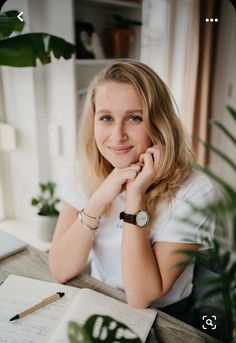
(19, 99)
(224, 93)
(224, 90)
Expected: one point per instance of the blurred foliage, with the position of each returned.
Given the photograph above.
(100, 329)
(217, 259)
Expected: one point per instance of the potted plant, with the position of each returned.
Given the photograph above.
(47, 210)
(119, 36)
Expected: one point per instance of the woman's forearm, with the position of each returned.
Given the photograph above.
(68, 256)
(139, 266)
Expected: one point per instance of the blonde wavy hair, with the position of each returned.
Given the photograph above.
(162, 124)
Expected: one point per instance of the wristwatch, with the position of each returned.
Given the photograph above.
(140, 218)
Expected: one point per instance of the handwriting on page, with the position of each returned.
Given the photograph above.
(18, 294)
(133, 318)
(88, 303)
(33, 328)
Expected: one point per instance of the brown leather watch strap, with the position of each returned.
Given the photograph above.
(128, 218)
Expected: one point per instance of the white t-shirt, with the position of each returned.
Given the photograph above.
(167, 227)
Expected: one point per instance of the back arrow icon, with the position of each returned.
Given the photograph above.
(19, 16)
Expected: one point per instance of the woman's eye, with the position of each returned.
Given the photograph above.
(135, 118)
(105, 117)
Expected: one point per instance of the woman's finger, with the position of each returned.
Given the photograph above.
(135, 166)
(141, 158)
(155, 151)
(148, 161)
(130, 175)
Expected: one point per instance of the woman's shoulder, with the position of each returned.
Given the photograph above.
(196, 186)
(71, 189)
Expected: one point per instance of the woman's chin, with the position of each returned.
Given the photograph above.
(121, 164)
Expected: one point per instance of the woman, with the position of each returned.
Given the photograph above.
(132, 185)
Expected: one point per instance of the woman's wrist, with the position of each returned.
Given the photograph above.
(94, 207)
(134, 202)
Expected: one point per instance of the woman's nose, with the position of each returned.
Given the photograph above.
(119, 133)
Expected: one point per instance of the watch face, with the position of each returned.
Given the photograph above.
(142, 218)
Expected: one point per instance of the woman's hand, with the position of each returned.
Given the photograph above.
(113, 184)
(147, 175)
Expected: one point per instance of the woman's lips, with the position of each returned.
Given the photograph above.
(120, 150)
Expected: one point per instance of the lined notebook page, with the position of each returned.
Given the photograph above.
(89, 302)
(19, 293)
(50, 323)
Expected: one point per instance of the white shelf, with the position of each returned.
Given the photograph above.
(117, 3)
(94, 61)
(99, 13)
(24, 231)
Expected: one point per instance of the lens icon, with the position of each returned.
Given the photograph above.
(209, 322)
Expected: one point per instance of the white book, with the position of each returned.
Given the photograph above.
(50, 323)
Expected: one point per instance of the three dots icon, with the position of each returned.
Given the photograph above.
(211, 20)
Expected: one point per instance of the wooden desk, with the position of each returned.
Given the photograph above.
(34, 263)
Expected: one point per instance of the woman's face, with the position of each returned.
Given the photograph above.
(120, 133)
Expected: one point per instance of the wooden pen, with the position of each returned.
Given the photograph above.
(36, 307)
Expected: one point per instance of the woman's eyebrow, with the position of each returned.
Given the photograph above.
(135, 111)
(103, 111)
(126, 112)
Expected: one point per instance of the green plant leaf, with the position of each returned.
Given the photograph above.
(43, 187)
(24, 50)
(202, 302)
(234, 300)
(226, 131)
(232, 272)
(46, 201)
(9, 23)
(230, 192)
(225, 259)
(78, 334)
(34, 202)
(234, 233)
(219, 207)
(51, 187)
(212, 281)
(227, 159)
(106, 329)
(210, 293)
(231, 111)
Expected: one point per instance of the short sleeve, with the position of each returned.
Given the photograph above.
(71, 190)
(183, 224)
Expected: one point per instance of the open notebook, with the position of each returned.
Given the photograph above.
(50, 323)
(9, 245)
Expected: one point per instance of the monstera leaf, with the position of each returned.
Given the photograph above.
(9, 23)
(23, 50)
(100, 329)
